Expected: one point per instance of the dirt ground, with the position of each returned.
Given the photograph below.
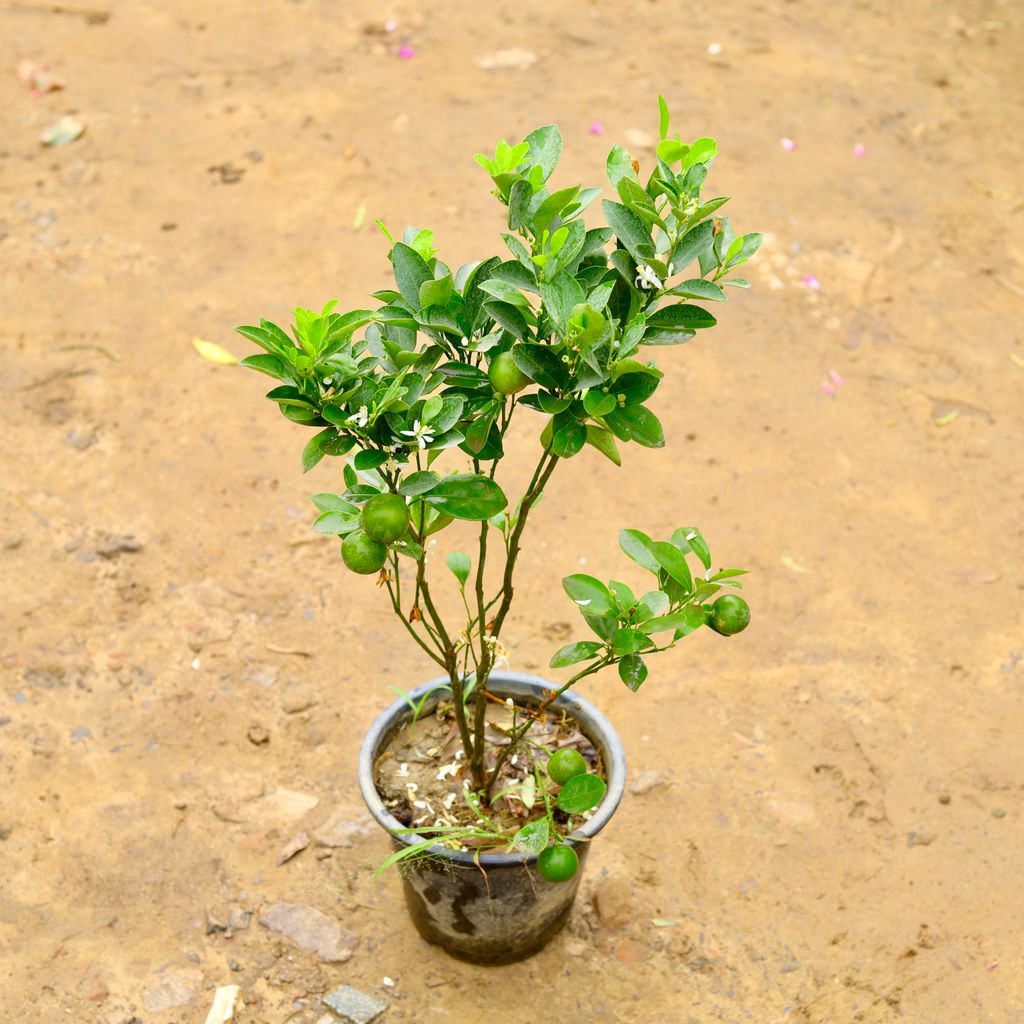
(836, 830)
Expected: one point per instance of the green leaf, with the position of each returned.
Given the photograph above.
(545, 149)
(692, 244)
(686, 620)
(674, 325)
(272, 366)
(419, 483)
(370, 459)
(329, 502)
(673, 561)
(637, 199)
(551, 207)
(654, 602)
(569, 439)
(726, 574)
(509, 317)
(633, 671)
(635, 387)
(702, 151)
(671, 150)
(467, 496)
(663, 119)
(337, 521)
(593, 597)
(627, 641)
(436, 292)
(630, 231)
(698, 288)
(637, 546)
(459, 563)
(411, 273)
(604, 441)
(504, 291)
(570, 654)
(559, 297)
(462, 373)
(326, 442)
(742, 248)
(581, 793)
(689, 538)
(541, 364)
(597, 403)
(619, 165)
(603, 626)
(519, 199)
(408, 548)
(531, 838)
(636, 423)
(623, 594)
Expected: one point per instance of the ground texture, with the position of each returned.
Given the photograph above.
(827, 817)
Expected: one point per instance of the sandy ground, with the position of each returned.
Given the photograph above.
(839, 833)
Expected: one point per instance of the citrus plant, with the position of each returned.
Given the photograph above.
(563, 328)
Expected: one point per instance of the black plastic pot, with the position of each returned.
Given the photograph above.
(498, 910)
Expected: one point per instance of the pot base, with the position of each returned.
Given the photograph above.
(487, 917)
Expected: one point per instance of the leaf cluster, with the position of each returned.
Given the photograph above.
(628, 625)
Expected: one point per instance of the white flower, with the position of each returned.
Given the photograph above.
(420, 433)
(361, 418)
(646, 278)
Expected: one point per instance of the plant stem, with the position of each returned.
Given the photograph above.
(540, 479)
(396, 603)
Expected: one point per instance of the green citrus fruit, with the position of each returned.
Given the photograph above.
(558, 863)
(363, 554)
(564, 764)
(385, 517)
(730, 614)
(506, 378)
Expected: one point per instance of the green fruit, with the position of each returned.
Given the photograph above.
(558, 863)
(363, 554)
(729, 615)
(385, 517)
(506, 378)
(565, 764)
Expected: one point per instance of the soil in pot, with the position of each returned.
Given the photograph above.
(422, 776)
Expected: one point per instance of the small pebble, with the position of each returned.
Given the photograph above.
(998, 812)
(944, 798)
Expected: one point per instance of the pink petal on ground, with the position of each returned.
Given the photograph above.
(390, 26)
(596, 128)
(406, 52)
(787, 144)
(860, 149)
(811, 281)
(835, 378)
(827, 388)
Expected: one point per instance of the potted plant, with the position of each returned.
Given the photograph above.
(490, 783)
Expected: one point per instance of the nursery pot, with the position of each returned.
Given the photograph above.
(493, 908)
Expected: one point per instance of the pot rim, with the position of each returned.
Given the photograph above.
(591, 721)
